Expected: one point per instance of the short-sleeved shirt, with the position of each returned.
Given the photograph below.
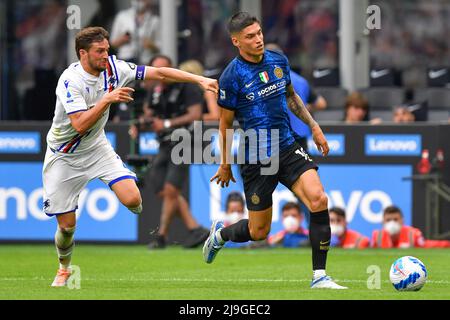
(150, 28)
(79, 91)
(256, 92)
(173, 101)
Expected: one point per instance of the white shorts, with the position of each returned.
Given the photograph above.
(65, 176)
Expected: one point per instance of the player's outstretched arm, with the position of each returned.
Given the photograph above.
(297, 106)
(224, 173)
(175, 75)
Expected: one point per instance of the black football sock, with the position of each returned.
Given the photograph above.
(319, 235)
(238, 232)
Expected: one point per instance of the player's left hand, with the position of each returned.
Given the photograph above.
(223, 176)
(209, 84)
(320, 140)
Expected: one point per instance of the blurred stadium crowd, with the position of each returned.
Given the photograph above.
(409, 56)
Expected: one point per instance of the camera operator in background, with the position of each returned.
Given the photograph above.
(170, 106)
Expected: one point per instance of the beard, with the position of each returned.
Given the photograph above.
(96, 66)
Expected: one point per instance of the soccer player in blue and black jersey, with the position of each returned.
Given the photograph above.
(256, 89)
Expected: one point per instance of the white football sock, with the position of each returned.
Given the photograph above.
(318, 274)
(64, 245)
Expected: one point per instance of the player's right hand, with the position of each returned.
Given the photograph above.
(223, 176)
(209, 84)
(119, 95)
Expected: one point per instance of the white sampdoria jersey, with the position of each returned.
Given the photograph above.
(79, 91)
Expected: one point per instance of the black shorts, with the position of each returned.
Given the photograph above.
(165, 171)
(258, 188)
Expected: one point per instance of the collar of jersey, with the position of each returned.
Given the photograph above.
(253, 63)
(87, 75)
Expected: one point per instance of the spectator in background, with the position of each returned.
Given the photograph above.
(104, 17)
(135, 33)
(234, 208)
(234, 211)
(293, 235)
(396, 235)
(402, 114)
(343, 237)
(356, 108)
(39, 58)
(210, 106)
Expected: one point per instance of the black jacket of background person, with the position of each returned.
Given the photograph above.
(173, 102)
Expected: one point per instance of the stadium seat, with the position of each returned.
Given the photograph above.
(385, 115)
(329, 115)
(438, 76)
(328, 77)
(438, 115)
(439, 98)
(385, 77)
(335, 96)
(384, 97)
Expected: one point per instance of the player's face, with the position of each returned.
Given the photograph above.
(250, 40)
(98, 55)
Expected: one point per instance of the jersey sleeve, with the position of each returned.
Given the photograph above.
(126, 72)
(228, 95)
(70, 96)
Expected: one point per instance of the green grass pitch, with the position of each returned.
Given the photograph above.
(134, 272)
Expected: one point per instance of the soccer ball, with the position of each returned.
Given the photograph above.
(408, 274)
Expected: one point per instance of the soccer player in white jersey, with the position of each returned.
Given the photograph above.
(77, 148)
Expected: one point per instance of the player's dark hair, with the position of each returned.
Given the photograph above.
(87, 36)
(234, 197)
(392, 209)
(291, 205)
(339, 211)
(240, 21)
(160, 56)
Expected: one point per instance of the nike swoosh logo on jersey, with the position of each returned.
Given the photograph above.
(250, 84)
(321, 73)
(378, 74)
(323, 243)
(437, 74)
